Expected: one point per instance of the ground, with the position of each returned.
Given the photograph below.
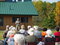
(1, 35)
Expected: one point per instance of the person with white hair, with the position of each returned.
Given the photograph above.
(10, 32)
(19, 39)
(37, 33)
(49, 37)
(10, 41)
(10, 27)
(49, 33)
(31, 31)
(28, 27)
(8, 35)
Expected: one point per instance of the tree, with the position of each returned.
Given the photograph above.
(57, 18)
(46, 14)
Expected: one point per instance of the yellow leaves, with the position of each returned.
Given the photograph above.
(57, 17)
(58, 4)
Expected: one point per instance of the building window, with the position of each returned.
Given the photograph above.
(17, 0)
(1, 21)
(14, 19)
(27, 0)
(22, 19)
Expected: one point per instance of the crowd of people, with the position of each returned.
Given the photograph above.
(12, 36)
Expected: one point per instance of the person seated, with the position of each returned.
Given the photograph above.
(49, 37)
(28, 27)
(6, 31)
(44, 32)
(57, 34)
(37, 33)
(23, 31)
(19, 39)
(10, 41)
(31, 31)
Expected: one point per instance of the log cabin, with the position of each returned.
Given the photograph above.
(10, 10)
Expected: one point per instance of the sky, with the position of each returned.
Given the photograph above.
(51, 0)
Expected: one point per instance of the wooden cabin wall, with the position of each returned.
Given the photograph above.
(2, 0)
(8, 21)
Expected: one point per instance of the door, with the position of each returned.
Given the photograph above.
(1, 21)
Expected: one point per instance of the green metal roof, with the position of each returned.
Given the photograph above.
(17, 8)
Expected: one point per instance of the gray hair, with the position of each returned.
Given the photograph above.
(20, 39)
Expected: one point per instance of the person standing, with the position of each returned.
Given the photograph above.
(17, 24)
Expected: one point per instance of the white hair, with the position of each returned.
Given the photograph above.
(28, 26)
(36, 27)
(20, 39)
(10, 27)
(13, 28)
(10, 32)
(31, 31)
(22, 31)
(49, 33)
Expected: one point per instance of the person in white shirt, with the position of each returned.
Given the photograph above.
(17, 24)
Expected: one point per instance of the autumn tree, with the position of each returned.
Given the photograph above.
(46, 14)
(57, 18)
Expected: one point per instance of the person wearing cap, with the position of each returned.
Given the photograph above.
(17, 24)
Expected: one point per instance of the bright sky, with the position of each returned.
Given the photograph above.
(51, 0)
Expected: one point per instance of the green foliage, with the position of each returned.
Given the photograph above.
(49, 22)
(46, 14)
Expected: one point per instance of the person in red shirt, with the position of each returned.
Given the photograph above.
(57, 35)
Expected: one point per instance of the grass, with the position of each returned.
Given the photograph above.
(1, 34)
